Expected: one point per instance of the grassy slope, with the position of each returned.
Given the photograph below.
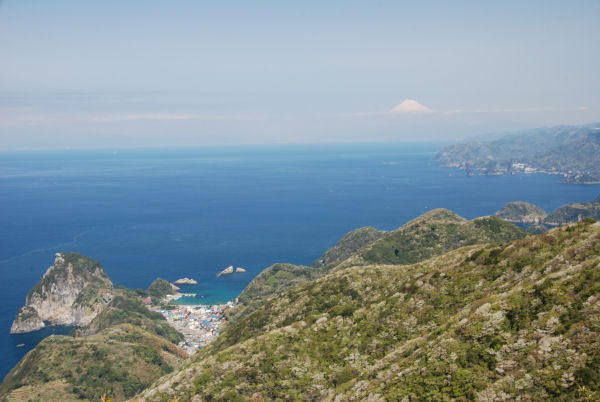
(127, 308)
(517, 211)
(348, 245)
(481, 321)
(120, 361)
(431, 234)
(280, 277)
(434, 233)
(572, 212)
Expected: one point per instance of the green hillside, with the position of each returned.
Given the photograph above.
(434, 233)
(348, 245)
(431, 234)
(126, 308)
(574, 212)
(120, 361)
(489, 322)
(523, 212)
(280, 277)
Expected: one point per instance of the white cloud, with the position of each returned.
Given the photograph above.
(410, 106)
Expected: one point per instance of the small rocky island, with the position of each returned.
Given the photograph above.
(229, 270)
(185, 281)
(226, 271)
(71, 292)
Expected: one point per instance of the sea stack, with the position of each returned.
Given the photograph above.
(226, 271)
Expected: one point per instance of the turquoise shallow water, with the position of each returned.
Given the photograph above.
(192, 212)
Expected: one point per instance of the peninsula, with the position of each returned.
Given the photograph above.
(526, 213)
(569, 151)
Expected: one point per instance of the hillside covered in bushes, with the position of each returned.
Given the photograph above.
(493, 321)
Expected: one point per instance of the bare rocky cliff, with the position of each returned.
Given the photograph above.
(71, 292)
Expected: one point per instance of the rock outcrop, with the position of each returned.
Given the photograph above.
(27, 320)
(226, 271)
(71, 292)
(186, 281)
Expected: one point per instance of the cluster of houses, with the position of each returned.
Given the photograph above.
(199, 324)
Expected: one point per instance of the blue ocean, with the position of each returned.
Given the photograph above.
(193, 212)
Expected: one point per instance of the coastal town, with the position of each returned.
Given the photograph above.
(199, 324)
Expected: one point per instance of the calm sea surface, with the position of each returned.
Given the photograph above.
(154, 213)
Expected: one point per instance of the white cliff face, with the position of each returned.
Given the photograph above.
(71, 292)
(27, 320)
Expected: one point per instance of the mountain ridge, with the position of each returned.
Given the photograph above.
(413, 238)
(480, 322)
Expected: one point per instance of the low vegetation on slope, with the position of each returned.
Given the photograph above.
(274, 280)
(574, 212)
(120, 361)
(522, 212)
(431, 234)
(434, 233)
(488, 322)
(159, 289)
(126, 308)
(348, 245)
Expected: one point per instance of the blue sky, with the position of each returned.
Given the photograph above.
(153, 73)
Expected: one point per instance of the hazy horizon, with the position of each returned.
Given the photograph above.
(119, 74)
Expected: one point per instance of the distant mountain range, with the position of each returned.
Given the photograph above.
(570, 151)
